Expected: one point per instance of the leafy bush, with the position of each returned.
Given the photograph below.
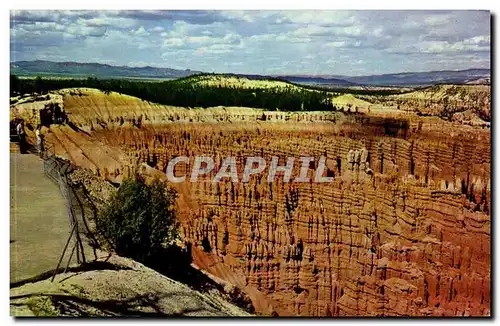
(139, 220)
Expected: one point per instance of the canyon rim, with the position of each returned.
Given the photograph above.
(315, 163)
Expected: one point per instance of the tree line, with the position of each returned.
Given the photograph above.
(183, 93)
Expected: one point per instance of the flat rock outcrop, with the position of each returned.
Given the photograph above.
(136, 291)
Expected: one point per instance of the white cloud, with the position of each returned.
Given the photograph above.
(336, 44)
(437, 20)
(465, 46)
(215, 49)
(474, 44)
(94, 31)
(141, 64)
(320, 17)
(157, 29)
(107, 21)
(141, 31)
(240, 14)
(263, 41)
(204, 42)
(173, 42)
(483, 40)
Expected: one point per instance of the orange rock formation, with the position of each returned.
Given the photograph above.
(410, 237)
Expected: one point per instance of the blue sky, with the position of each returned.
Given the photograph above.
(261, 42)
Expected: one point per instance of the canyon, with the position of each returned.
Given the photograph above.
(404, 228)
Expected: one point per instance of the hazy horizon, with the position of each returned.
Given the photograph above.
(349, 43)
(242, 73)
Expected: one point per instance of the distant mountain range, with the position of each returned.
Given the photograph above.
(30, 68)
(423, 78)
(41, 67)
(340, 81)
(469, 76)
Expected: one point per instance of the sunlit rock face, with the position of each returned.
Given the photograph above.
(402, 229)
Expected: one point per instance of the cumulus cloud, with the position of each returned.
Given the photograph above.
(174, 42)
(157, 29)
(335, 42)
(479, 43)
(188, 16)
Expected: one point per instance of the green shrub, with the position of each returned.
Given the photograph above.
(42, 307)
(139, 221)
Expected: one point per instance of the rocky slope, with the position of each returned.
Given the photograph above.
(446, 101)
(385, 244)
(117, 286)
